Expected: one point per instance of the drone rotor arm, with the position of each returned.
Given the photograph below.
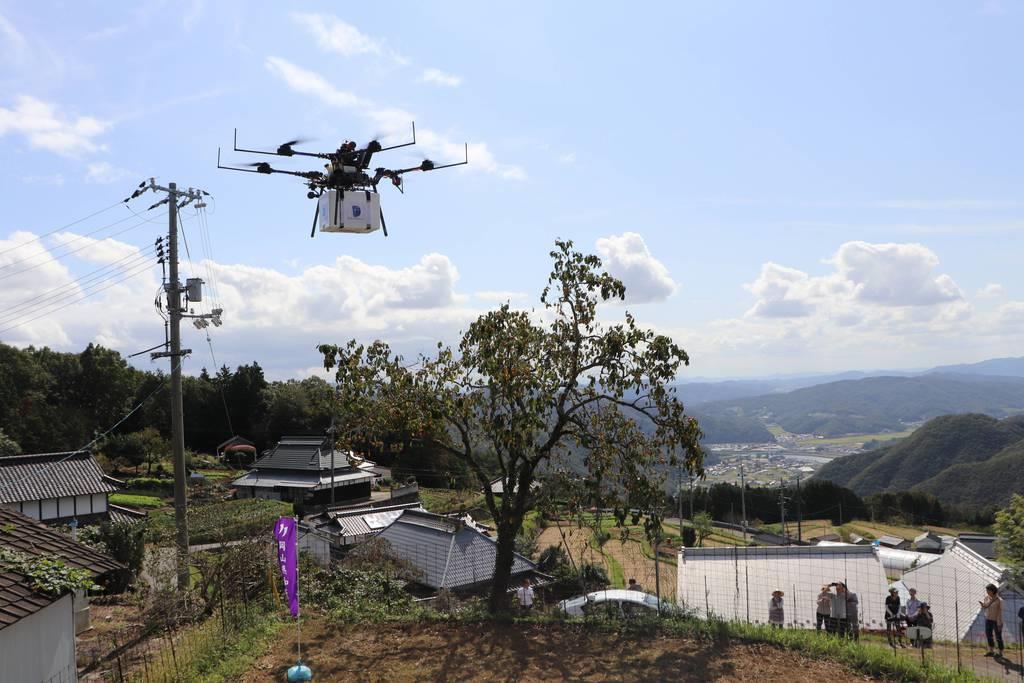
(292, 152)
(404, 144)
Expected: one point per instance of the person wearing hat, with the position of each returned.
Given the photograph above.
(893, 625)
(824, 608)
(925, 620)
(776, 615)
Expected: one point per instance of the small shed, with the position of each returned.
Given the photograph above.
(953, 584)
(928, 542)
(894, 542)
(983, 544)
(447, 552)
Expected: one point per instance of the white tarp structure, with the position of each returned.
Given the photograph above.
(737, 583)
(952, 587)
(895, 561)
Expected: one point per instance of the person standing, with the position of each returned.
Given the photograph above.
(925, 620)
(837, 613)
(852, 615)
(776, 614)
(634, 586)
(524, 594)
(913, 605)
(824, 608)
(893, 632)
(993, 606)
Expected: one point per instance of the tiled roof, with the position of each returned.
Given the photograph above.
(27, 536)
(17, 599)
(447, 553)
(307, 453)
(123, 514)
(50, 475)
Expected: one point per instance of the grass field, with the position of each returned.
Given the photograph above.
(135, 500)
(855, 438)
(870, 530)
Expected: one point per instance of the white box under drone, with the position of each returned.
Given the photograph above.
(355, 211)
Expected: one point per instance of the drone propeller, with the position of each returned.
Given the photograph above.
(285, 149)
(261, 167)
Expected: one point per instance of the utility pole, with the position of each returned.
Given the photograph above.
(691, 497)
(176, 310)
(799, 513)
(679, 500)
(743, 501)
(782, 508)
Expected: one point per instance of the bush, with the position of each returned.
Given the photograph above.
(228, 520)
(355, 595)
(163, 486)
(123, 541)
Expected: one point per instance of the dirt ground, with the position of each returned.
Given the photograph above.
(510, 652)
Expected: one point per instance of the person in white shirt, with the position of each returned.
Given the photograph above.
(913, 605)
(524, 594)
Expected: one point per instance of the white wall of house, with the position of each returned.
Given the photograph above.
(62, 508)
(40, 647)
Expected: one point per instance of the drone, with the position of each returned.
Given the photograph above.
(346, 188)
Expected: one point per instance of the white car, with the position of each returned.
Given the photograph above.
(615, 602)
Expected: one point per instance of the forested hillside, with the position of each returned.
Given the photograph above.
(877, 404)
(51, 401)
(970, 460)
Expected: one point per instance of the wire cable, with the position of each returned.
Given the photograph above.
(93, 442)
(19, 323)
(54, 259)
(120, 264)
(63, 227)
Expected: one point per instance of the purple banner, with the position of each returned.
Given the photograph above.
(287, 555)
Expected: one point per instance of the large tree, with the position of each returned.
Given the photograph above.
(528, 388)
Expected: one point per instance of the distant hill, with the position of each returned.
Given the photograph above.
(1004, 367)
(972, 460)
(732, 429)
(877, 404)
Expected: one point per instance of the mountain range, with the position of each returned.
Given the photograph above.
(971, 460)
(854, 402)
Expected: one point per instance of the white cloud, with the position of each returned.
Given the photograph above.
(438, 77)
(866, 276)
(499, 297)
(56, 179)
(46, 304)
(567, 158)
(626, 257)
(781, 293)
(102, 251)
(103, 173)
(44, 128)
(894, 274)
(334, 35)
(392, 121)
(990, 291)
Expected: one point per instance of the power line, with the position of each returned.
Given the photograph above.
(118, 281)
(88, 445)
(68, 253)
(120, 264)
(63, 227)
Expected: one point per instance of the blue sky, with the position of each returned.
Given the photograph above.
(783, 187)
